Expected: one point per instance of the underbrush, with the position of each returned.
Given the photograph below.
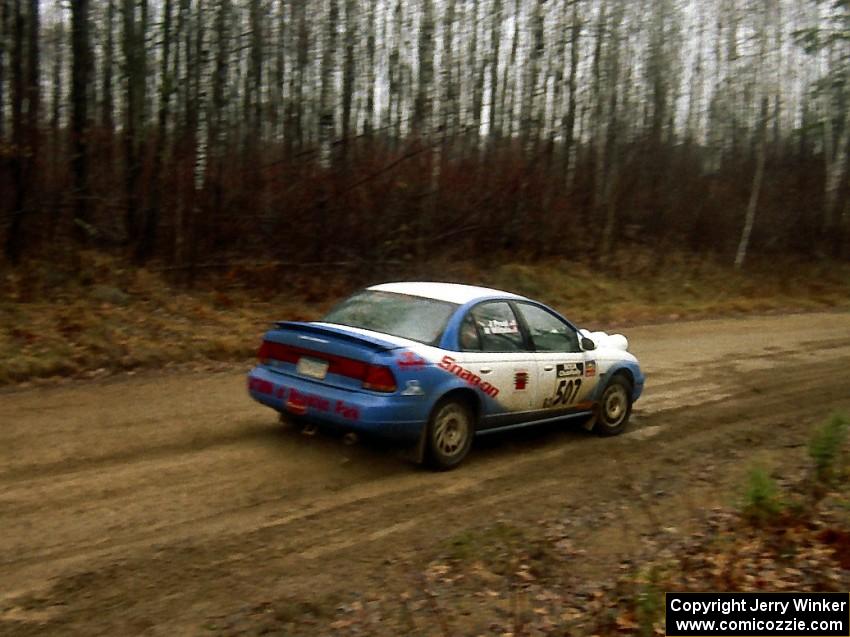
(102, 315)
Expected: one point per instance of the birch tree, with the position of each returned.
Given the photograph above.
(831, 37)
(569, 121)
(762, 91)
(148, 238)
(327, 99)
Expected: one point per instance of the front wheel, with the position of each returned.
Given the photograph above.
(615, 407)
(450, 433)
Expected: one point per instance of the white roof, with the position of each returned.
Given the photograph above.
(451, 292)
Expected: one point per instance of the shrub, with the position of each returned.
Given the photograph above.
(826, 447)
(762, 502)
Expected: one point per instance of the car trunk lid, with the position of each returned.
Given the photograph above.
(328, 355)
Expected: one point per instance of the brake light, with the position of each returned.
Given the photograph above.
(374, 377)
(270, 350)
(263, 354)
(379, 378)
(346, 367)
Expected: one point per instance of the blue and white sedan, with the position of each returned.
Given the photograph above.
(438, 363)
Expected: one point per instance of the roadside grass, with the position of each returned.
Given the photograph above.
(105, 316)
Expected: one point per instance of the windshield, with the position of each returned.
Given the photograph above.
(413, 317)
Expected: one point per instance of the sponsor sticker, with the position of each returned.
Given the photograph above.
(495, 326)
(450, 365)
(411, 360)
(520, 380)
(570, 370)
(590, 369)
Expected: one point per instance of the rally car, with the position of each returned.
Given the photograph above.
(438, 363)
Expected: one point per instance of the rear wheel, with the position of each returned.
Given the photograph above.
(450, 433)
(615, 407)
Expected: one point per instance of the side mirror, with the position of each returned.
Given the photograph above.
(587, 344)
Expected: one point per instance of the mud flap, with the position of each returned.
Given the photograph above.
(421, 446)
(590, 423)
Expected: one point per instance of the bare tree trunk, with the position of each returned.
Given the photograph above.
(659, 72)
(755, 190)
(25, 134)
(147, 243)
(33, 75)
(528, 119)
(760, 87)
(328, 94)
(369, 118)
(570, 117)
(449, 89)
(422, 107)
(495, 128)
(348, 75)
(57, 74)
(394, 70)
(181, 43)
(478, 66)
(13, 238)
(611, 170)
(199, 133)
(599, 95)
(835, 159)
(107, 112)
(254, 90)
(81, 74)
(278, 74)
(507, 107)
(219, 81)
(427, 113)
(5, 38)
(133, 116)
(303, 52)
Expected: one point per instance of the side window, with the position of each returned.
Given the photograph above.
(548, 332)
(498, 327)
(469, 339)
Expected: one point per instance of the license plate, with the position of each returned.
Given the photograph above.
(312, 367)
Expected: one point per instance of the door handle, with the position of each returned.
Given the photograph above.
(485, 370)
(548, 368)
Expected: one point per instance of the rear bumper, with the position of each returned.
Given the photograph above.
(391, 416)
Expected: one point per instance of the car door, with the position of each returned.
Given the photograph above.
(566, 375)
(494, 348)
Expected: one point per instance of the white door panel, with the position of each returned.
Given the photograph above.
(567, 375)
(566, 380)
(514, 374)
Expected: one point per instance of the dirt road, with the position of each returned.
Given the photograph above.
(173, 504)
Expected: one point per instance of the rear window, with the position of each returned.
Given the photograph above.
(413, 317)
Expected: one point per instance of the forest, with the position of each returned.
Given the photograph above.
(197, 132)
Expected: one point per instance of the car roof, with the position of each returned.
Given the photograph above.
(451, 292)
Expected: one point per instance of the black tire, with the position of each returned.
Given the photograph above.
(450, 432)
(615, 407)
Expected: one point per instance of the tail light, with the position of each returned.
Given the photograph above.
(263, 354)
(379, 378)
(270, 350)
(374, 377)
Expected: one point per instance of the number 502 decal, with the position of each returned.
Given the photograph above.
(567, 392)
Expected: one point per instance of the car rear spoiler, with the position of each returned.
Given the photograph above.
(375, 344)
